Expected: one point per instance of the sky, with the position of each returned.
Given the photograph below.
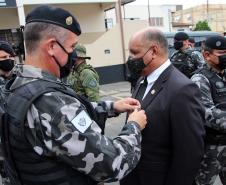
(185, 3)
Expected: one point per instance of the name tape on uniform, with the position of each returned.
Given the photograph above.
(82, 121)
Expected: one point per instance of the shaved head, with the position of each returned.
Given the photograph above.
(150, 35)
(151, 46)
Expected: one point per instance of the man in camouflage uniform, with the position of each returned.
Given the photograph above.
(84, 79)
(185, 59)
(212, 83)
(58, 142)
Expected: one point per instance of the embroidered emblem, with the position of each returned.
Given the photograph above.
(69, 20)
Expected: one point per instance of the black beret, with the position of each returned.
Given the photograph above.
(216, 42)
(5, 46)
(181, 36)
(54, 15)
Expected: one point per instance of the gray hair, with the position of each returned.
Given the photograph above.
(37, 31)
(158, 37)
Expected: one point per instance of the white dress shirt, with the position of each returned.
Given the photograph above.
(151, 78)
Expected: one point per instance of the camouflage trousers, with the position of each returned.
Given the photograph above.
(212, 165)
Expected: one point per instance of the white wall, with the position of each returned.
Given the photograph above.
(141, 12)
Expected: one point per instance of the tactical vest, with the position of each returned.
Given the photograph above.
(218, 87)
(218, 92)
(184, 62)
(31, 168)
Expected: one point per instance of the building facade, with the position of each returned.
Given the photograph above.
(158, 16)
(215, 14)
(106, 47)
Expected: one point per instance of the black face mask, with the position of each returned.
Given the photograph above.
(136, 65)
(7, 65)
(178, 45)
(66, 69)
(222, 62)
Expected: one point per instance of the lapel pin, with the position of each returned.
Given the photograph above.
(153, 91)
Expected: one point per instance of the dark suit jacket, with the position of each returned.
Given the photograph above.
(172, 143)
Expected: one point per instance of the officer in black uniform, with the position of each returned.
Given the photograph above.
(6, 61)
(211, 80)
(6, 65)
(185, 58)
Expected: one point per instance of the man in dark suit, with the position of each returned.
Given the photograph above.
(172, 144)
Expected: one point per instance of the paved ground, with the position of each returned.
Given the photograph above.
(117, 91)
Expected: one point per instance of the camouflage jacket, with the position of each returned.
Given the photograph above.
(215, 116)
(187, 61)
(84, 148)
(2, 81)
(2, 86)
(85, 81)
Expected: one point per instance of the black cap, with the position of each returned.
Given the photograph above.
(216, 42)
(181, 36)
(5, 46)
(191, 40)
(54, 15)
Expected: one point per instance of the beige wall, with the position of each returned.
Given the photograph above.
(110, 40)
(8, 18)
(94, 36)
(90, 16)
(216, 16)
(130, 27)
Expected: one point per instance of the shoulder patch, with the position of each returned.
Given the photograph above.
(82, 121)
(92, 83)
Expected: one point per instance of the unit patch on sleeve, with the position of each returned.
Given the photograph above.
(82, 121)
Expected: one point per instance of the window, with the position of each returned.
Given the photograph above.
(156, 21)
(108, 23)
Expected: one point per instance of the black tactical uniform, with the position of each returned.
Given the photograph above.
(186, 60)
(6, 65)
